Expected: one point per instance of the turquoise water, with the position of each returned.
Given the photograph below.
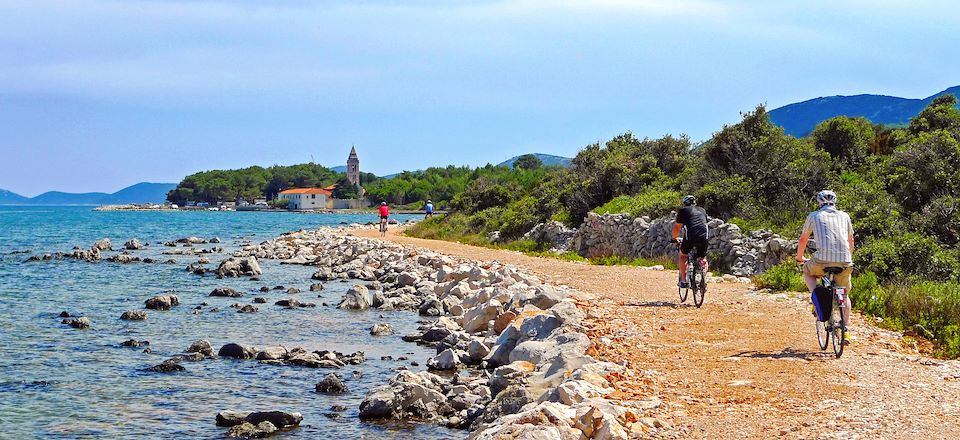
(60, 382)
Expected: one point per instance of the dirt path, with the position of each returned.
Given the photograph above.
(747, 364)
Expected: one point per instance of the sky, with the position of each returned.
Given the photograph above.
(96, 95)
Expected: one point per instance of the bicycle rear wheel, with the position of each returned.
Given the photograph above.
(839, 330)
(698, 284)
(823, 333)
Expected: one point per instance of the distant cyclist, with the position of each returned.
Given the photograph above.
(428, 210)
(833, 232)
(694, 218)
(384, 211)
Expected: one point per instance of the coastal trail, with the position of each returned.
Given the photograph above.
(745, 365)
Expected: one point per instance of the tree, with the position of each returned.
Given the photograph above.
(846, 139)
(941, 114)
(528, 162)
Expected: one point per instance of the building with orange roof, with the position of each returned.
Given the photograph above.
(307, 198)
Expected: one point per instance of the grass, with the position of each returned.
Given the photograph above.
(927, 309)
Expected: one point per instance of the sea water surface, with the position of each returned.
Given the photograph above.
(59, 382)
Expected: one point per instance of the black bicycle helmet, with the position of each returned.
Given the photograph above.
(689, 199)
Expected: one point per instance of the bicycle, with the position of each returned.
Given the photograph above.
(696, 277)
(832, 326)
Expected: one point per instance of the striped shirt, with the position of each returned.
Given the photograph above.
(831, 228)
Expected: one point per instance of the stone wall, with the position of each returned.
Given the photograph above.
(620, 234)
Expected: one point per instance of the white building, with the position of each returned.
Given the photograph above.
(306, 198)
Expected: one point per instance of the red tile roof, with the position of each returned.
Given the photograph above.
(325, 192)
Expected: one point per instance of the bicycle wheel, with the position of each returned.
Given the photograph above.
(698, 284)
(839, 330)
(823, 333)
(684, 291)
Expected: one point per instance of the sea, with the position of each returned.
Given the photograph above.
(60, 382)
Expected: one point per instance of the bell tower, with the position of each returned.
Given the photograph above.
(353, 167)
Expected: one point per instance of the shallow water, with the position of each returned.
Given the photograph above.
(60, 382)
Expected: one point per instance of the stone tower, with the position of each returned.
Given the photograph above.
(353, 167)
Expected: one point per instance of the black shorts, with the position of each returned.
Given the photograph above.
(700, 244)
(384, 217)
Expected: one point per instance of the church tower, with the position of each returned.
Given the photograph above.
(353, 167)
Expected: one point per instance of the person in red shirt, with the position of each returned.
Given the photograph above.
(384, 215)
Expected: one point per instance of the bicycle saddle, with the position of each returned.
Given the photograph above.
(834, 270)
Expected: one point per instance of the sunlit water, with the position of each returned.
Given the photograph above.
(56, 381)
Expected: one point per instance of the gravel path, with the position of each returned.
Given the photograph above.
(747, 364)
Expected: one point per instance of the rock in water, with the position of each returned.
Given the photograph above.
(215, 240)
(357, 298)
(167, 367)
(226, 292)
(133, 245)
(247, 309)
(331, 384)
(134, 343)
(81, 323)
(380, 329)
(280, 419)
(134, 315)
(103, 245)
(249, 430)
(230, 418)
(239, 266)
(200, 346)
(237, 351)
(162, 302)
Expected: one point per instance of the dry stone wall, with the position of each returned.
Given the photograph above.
(743, 254)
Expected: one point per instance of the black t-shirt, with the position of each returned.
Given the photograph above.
(695, 219)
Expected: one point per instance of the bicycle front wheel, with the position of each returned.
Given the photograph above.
(839, 329)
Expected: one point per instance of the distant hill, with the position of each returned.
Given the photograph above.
(143, 192)
(339, 169)
(800, 118)
(547, 159)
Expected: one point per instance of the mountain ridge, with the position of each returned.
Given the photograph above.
(143, 192)
(800, 118)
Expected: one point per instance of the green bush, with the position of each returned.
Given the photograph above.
(782, 277)
(652, 203)
(906, 256)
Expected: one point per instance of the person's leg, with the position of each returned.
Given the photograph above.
(682, 264)
(809, 277)
(843, 279)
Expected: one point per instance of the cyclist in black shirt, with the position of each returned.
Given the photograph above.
(694, 218)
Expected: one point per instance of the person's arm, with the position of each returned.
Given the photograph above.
(850, 235)
(676, 230)
(804, 238)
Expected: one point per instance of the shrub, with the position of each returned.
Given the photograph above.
(905, 256)
(782, 277)
(651, 202)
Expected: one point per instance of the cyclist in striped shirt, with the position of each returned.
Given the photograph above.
(833, 232)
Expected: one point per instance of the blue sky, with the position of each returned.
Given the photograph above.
(99, 94)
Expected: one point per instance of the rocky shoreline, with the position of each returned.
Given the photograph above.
(513, 360)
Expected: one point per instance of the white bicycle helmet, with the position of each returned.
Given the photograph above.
(826, 197)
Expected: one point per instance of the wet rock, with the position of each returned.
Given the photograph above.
(191, 240)
(280, 419)
(123, 259)
(237, 351)
(381, 329)
(239, 266)
(162, 302)
(170, 261)
(273, 353)
(133, 245)
(201, 346)
(134, 315)
(79, 323)
(278, 287)
(357, 298)
(247, 309)
(331, 384)
(260, 300)
(166, 367)
(316, 287)
(215, 240)
(65, 314)
(134, 343)
(226, 292)
(264, 289)
(249, 430)
(293, 290)
(230, 418)
(103, 245)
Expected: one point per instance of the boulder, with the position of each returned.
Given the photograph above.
(272, 353)
(162, 302)
(226, 292)
(445, 361)
(103, 245)
(215, 240)
(200, 346)
(357, 298)
(239, 266)
(237, 351)
(168, 366)
(316, 287)
(381, 329)
(230, 418)
(133, 245)
(134, 315)
(249, 430)
(80, 323)
(134, 343)
(247, 308)
(331, 384)
(407, 279)
(478, 318)
(280, 419)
